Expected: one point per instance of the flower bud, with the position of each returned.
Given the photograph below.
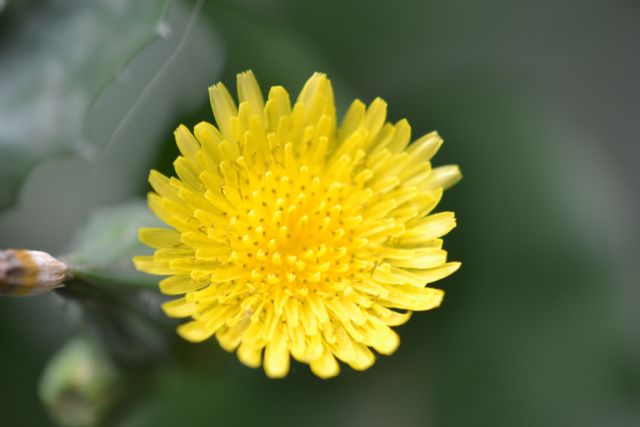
(24, 272)
(80, 385)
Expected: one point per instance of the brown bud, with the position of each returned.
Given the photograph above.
(24, 272)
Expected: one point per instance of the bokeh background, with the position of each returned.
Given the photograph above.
(537, 102)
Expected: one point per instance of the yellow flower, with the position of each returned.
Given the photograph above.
(296, 236)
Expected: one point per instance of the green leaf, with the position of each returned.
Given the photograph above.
(55, 64)
(102, 251)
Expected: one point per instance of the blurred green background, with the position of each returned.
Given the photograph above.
(537, 102)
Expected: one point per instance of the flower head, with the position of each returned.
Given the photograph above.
(296, 236)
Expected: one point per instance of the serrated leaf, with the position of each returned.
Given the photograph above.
(103, 249)
(55, 63)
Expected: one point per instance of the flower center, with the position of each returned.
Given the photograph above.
(297, 231)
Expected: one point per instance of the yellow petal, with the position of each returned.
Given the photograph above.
(326, 366)
(431, 275)
(431, 227)
(382, 338)
(149, 265)
(445, 176)
(187, 143)
(160, 237)
(316, 98)
(385, 273)
(250, 354)
(297, 343)
(209, 138)
(375, 118)
(415, 258)
(158, 206)
(401, 137)
(178, 308)
(408, 297)
(189, 173)
(224, 110)
(352, 120)
(390, 317)
(249, 92)
(343, 345)
(311, 89)
(161, 184)
(424, 148)
(278, 106)
(180, 284)
(363, 358)
(276, 356)
(194, 331)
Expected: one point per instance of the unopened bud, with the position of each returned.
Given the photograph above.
(24, 272)
(80, 385)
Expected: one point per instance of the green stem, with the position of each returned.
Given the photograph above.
(97, 278)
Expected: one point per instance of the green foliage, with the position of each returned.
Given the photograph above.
(55, 63)
(103, 249)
